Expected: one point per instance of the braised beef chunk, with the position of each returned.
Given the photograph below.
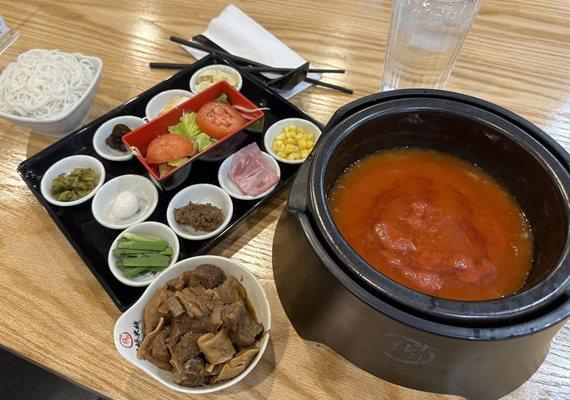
(151, 315)
(206, 297)
(205, 275)
(177, 283)
(191, 373)
(178, 328)
(198, 327)
(237, 364)
(145, 349)
(187, 346)
(231, 291)
(241, 326)
(195, 305)
(215, 318)
(211, 372)
(158, 348)
(175, 306)
(217, 348)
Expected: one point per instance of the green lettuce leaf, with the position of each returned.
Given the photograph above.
(202, 141)
(164, 169)
(187, 127)
(178, 162)
(223, 98)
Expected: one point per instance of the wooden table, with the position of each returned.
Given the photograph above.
(54, 312)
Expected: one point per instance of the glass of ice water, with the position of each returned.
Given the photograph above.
(424, 40)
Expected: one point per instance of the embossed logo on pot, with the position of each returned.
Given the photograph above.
(406, 350)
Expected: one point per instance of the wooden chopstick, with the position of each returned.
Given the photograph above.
(241, 60)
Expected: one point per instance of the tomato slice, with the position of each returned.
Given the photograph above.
(218, 119)
(166, 148)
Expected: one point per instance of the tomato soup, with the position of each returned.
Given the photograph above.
(434, 223)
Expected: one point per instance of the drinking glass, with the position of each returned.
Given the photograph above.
(424, 40)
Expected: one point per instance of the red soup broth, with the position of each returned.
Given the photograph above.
(434, 223)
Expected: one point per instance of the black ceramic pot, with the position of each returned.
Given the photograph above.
(480, 349)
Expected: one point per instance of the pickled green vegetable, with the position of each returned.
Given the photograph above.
(74, 185)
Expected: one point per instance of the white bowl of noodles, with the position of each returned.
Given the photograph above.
(63, 110)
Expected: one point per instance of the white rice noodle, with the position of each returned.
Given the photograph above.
(44, 83)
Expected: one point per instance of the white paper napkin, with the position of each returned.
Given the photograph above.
(237, 33)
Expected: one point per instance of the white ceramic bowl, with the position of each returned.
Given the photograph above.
(142, 187)
(276, 129)
(72, 119)
(158, 103)
(149, 228)
(128, 326)
(199, 194)
(66, 165)
(105, 130)
(231, 188)
(226, 68)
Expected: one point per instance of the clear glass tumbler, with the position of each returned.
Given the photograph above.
(424, 40)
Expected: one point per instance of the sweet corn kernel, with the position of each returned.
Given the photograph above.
(291, 148)
(293, 143)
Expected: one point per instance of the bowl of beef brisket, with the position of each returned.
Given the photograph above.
(201, 326)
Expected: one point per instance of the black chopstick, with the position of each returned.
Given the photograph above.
(241, 60)
(221, 53)
(315, 70)
(162, 65)
(329, 85)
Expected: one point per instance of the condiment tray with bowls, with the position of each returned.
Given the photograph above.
(93, 237)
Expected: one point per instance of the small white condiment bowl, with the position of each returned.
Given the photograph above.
(141, 187)
(158, 103)
(276, 129)
(70, 120)
(129, 325)
(103, 132)
(232, 189)
(148, 228)
(201, 193)
(225, 68)
(65, 166)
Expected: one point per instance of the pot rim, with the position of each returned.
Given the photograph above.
(512, 306)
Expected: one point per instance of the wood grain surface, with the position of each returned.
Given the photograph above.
(54, 312)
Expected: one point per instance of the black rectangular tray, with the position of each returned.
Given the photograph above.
(92, 240)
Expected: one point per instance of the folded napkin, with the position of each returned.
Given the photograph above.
(238, 34)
